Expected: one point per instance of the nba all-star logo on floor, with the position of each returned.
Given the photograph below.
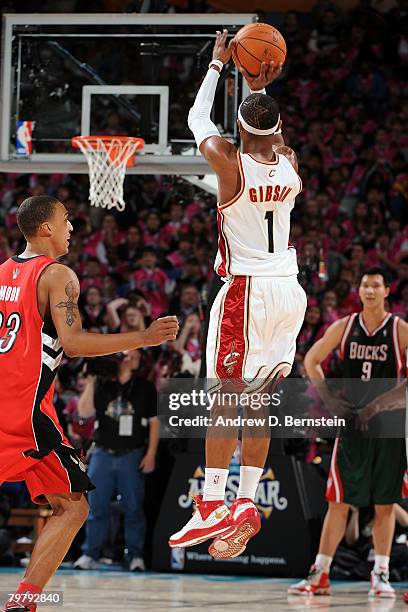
(268, 496)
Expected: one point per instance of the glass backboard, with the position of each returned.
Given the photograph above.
(137, 75)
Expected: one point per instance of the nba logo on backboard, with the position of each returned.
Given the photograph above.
(177, 558)
(24, 141)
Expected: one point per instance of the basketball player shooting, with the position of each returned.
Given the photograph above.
(39, 319)
(258, 313)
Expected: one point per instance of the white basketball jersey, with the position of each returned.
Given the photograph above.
(253, 227)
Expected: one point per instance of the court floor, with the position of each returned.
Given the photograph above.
(120, 591)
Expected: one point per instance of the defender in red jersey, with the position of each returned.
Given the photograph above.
(39, 319)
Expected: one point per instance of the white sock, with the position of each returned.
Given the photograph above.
(249, 476)
(381, 563)
(323, 562)
(214, 484)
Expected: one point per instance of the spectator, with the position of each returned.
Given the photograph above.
(153, 235)
(131, 319)
(188, 302)
(326, 36)
(131, 249)
(121, 405)
(91, 273)
(153, 282)
(80, 430)
(308, 332)
(5, 250)
(400, 302)
(178, 258)
(188, 344)
(330, 304)
(176, 226)
(93, 310)
(291, 31)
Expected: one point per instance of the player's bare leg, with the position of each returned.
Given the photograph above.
(383, 529)
(334, 527)
(69, 514)
(254, 450)
(219, 450)
(221, 441)
(256, 440)
(383, 533)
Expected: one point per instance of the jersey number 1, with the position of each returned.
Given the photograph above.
(269, 218)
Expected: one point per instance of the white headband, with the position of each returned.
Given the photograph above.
(256, 131)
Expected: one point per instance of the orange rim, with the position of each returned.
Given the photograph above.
(118, 146)
(93, 140)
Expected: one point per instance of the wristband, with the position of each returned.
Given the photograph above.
(217, 63)
(260, 91)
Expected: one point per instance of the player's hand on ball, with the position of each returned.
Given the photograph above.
(269, 73)
(220, 51)
(162, 330)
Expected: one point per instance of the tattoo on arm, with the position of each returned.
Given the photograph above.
(71, 303)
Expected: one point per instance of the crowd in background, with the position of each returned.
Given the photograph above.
(344, 102)
(343, 97)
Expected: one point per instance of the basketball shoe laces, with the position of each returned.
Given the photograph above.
(314, 570)
(383, 577)
(195, 500)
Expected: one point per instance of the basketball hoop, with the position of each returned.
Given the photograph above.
(107, 157)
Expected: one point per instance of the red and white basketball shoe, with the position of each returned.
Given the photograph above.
(19, 607)
(210, 518)
(317, 583)
(248, 523)
(380, 586)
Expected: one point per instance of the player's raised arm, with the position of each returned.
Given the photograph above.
(63, 289)
(206, 134)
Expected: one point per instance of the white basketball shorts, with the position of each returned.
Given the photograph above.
(254, 323)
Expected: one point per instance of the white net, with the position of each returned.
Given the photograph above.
(107, 159)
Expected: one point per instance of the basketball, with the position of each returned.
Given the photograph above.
(256, 43)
